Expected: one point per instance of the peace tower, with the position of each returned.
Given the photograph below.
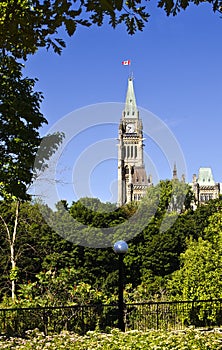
(132, 178)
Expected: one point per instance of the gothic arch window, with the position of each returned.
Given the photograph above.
(135, 151)
(131, 151)
(126, 170)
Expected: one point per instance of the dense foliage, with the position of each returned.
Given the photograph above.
(174, 252)
(199, 276)
(25, 26)
(159, 264)
(20, 120)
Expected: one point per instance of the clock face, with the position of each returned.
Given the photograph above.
(130, 127)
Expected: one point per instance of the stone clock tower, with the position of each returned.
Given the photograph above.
(132, 178)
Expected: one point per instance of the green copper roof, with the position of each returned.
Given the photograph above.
(205, 177)
(130, 104)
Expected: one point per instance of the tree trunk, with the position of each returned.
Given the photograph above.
(11, 239)
(13, 271)
(12, 247)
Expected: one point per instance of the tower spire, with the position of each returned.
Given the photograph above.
(132, 178)
(130, 104)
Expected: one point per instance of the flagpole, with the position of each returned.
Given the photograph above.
(128, 63)
(130, 70)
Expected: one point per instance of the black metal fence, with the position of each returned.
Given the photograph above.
(141, 316)
(77, 318)
(174, 315)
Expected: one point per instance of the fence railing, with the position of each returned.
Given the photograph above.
(141, 316)
(174, 315)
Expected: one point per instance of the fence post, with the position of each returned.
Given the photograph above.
(45, 322)
(157, 317)
(4, 320)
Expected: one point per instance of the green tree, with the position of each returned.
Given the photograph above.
(27, 25)
(174, 7)
(200, 274)
(197, 221)
(57, 288)
(20, 120)
(213, 231)
(28, 252)
(154, 252)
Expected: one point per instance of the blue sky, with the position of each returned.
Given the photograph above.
(176, 63)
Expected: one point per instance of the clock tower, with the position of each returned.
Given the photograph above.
(132, 178)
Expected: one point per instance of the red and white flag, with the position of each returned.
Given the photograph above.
(126, 63)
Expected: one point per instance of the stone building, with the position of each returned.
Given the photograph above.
(132, 177)
(204, 186)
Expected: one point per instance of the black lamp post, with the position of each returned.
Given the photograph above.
(120, 248)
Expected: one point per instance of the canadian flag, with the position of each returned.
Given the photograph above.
(126, 63)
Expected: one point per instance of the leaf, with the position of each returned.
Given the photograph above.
(119, 4)
(70, 25)
(60, 42)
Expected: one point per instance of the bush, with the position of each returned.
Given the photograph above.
(116, 340)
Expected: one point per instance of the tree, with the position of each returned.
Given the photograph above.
(57, 288)
(213, 231)
(174, 7)
(27, 25)
(20, 120)
(199, 278)
(200, 274)
(28, 252)
(154, 252)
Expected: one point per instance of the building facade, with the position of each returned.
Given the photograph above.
(204, 187)
(132, 177)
